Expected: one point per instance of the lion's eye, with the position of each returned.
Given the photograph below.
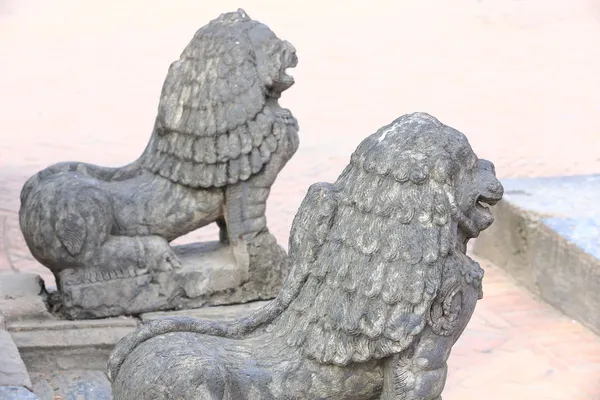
(486, 165)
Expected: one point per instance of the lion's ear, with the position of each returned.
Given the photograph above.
(312, 223)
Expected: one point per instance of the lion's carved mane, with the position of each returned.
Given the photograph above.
(214, 126)
(372, 254)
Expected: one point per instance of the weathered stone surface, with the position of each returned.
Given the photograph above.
(68, 345)
(218, 312)
(16, 393)
(210, 276)
(76, 385)
(219, 141)
(2, 322)
(12, 368)
(41, 388)
(380, 288)
(22, 297)
(546, 237)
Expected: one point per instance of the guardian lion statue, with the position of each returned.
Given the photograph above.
(219, 141)
(380, 288)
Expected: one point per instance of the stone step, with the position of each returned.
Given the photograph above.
(547, 236)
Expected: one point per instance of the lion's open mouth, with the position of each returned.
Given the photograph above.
(482, 203)
(483, 217)
(473, 223)
(284, 81)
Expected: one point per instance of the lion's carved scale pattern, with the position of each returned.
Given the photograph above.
(214, 125)
(217, 161)
(372, 282)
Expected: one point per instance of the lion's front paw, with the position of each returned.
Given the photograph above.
(159, 256)
(168, 261)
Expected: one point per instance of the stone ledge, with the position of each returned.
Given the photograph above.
(546, 235)
(47, 346)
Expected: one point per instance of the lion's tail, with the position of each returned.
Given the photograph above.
(233, 329)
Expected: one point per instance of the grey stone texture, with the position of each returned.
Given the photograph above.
(16, 393)
(547, 238)
(379, 291)
(47, 346)
(209, 275)
(76, 385)
(219, 141)
(12, 368)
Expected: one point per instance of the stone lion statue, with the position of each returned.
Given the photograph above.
(380, 287)
(219, 141)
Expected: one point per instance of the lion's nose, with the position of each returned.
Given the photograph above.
(495, 187)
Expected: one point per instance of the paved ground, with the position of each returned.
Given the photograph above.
(80, 80)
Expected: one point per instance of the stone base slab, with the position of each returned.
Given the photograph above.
(210, 276)
(546, 235)
(53, 346)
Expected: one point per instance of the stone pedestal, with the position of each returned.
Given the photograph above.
(211, 275)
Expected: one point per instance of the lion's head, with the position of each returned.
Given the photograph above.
(218, 119)
(370, 268)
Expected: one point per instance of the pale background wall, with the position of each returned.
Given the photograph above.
(81, 79)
